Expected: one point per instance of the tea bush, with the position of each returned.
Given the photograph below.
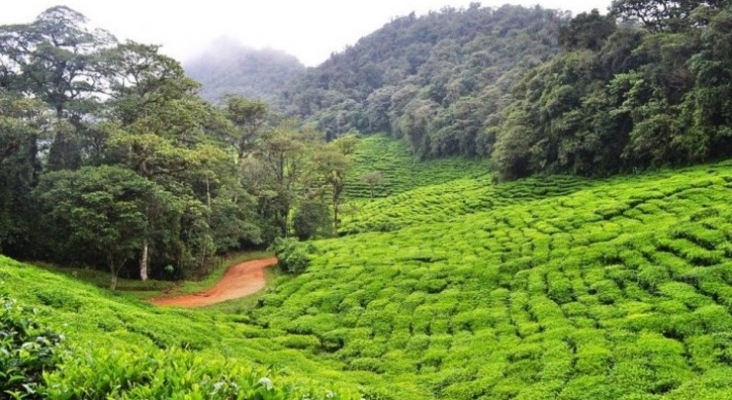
(27, 351)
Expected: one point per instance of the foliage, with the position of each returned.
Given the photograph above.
(293, 257)
(101, 135)
(535, 90)
(27, 351)
(569, 288)
(103, 209)
(437, 80)
(603, 288)
(400, 171)
(127, 349)
(312, 220)
(622, 98)
(446, 285)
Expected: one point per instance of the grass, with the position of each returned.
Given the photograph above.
(547, 288)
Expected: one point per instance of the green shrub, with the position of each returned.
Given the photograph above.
(26, 352)
(293, 256)
(313, 220)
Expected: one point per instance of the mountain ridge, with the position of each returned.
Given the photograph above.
(226, 66)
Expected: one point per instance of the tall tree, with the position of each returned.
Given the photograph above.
(21, 129)
(661, 15)
(249, 117)
(57, 59)
(283, 153)
(332, 163)
(103, 209)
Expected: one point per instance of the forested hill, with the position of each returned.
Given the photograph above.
(536, 90)
(437, 79)
(228, 67)
(622, 97)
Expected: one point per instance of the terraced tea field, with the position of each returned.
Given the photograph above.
(459, 197)
(401, 171)
(546, 288)
(119, 347)
(618, 290)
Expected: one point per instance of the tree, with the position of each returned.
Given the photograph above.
(373, 179)
(21, 129)
(248, 116)
(586, 31)
(103, 209)
(332, 164)
(661, 15)
(312, 219)
(161, 130)
(57, 57)
(282, 154)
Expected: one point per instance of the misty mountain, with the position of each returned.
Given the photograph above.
(228, 67)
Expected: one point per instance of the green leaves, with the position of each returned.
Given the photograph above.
(27, 352)
(293, 257)
(105, 209)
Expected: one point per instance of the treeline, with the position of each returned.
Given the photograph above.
(109, 158)
(647, 85)
(436, 80)
(227, 67)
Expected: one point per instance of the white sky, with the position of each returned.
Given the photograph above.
(308, 29)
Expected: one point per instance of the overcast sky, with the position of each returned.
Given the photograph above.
(308, 29)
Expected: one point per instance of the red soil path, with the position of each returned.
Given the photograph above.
(240, 280)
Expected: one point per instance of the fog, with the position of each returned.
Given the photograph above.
(310, 30)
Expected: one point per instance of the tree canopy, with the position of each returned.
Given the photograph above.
(110, 158)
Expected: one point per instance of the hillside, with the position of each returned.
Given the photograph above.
(615, 289)
(544, 288)
(437, 273)
(228, 67)
(435, 80)
(537, 91)
(400, 171)
(129, 349)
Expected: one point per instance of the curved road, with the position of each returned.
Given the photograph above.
(239, 281)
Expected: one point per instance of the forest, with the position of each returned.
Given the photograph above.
(227, 66)
(110, 158)
(535, 90)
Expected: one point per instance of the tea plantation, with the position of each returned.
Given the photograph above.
(121, 348)
(446, 287)
(401, 171)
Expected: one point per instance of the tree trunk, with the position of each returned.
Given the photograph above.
(208, 193)
(143, 261)
(113, 271)
(372, 192)
(335, 213)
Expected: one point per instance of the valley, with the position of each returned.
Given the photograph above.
(476, 203)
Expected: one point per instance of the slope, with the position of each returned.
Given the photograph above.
(400, 171)
(228, 67)
(122, 348)
(436, 80)
(620, 289)
(548, 288)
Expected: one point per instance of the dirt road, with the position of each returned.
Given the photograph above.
(240, 280)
